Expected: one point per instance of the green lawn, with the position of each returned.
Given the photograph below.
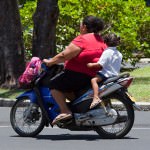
(12, 94)
(140, 88)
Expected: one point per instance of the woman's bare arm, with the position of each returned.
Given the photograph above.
(70, 52)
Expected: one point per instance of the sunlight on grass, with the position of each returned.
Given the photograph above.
(140, 88)
(141, 72)
(141, 93)
(12, 94)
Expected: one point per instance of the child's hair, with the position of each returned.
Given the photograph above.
(111, 39)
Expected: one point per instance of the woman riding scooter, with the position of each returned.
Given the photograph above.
(85, 48)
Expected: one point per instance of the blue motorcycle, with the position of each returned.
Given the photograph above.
(112, 118)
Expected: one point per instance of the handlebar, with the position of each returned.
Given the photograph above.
(44, 67)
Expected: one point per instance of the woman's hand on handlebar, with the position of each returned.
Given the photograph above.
(47, 62)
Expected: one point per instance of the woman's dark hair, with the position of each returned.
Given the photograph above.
(93, 24)
(111, 39)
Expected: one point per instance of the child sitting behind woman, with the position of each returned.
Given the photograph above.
(109, 65)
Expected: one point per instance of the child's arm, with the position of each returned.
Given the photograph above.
(94, 65)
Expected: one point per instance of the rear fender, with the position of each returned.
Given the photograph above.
(130, 99)
(30, 94)
(133, 101)
(110, 90)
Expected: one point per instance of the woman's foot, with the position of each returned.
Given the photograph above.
(95, 102)
(62, 116)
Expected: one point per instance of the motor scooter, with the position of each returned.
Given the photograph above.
(112, 118)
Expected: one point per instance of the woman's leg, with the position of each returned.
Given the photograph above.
(65, 113)
(65, 82)
(60, 99)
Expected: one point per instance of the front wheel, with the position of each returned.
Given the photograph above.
(125, 113)
(26, 118)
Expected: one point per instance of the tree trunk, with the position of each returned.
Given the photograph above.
(11, 45)
(44, 34)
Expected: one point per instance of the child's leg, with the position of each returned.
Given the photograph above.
(94, 82)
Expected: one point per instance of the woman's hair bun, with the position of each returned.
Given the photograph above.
(93, 24)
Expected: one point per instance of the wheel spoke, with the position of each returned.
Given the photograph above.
(124, 120)
(26, 118)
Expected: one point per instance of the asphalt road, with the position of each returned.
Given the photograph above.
(55, 139)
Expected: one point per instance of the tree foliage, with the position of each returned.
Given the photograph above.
(129, 19)
(27, 9)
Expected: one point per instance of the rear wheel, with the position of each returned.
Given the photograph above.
(125, 120)
(26, 118)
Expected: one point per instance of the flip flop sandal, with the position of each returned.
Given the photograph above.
(94, 104)
(61, 117)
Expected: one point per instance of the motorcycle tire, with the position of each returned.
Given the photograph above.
(108, 132)
(24, 122)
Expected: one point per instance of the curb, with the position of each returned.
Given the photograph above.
(6, 102)
(145, 106)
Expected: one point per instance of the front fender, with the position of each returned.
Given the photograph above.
(30, 94)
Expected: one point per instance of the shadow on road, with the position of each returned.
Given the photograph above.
(64, 137)
(86, 137)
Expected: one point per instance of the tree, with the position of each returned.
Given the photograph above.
(44, 36)
(129, 19)
(27, 9)
(11, 45)
(147, 3)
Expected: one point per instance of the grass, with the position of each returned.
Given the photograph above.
(140, 88)
(12, 94)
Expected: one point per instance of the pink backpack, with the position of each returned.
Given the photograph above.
(32, 70)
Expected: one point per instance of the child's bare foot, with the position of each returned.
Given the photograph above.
(95, 102)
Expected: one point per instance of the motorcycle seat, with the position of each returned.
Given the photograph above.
(113, 79)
